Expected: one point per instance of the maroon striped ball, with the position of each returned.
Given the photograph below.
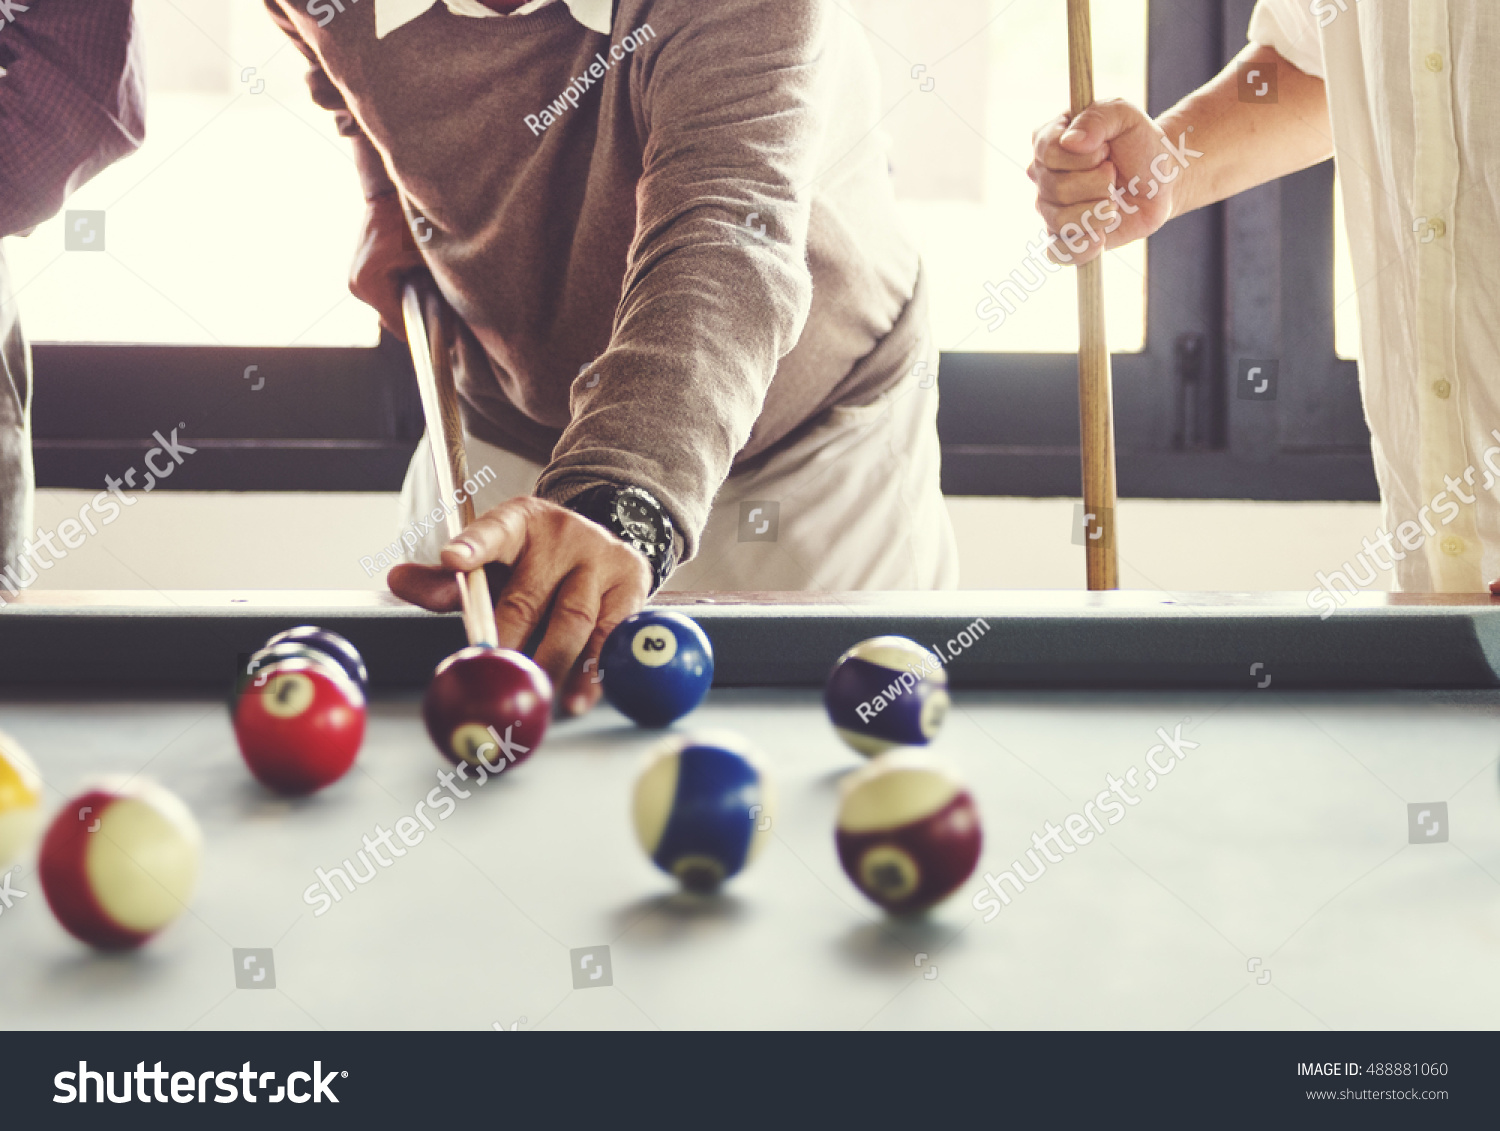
(908, 832)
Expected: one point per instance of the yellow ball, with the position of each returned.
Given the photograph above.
(20, 800)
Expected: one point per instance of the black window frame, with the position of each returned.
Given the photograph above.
(1251, 278)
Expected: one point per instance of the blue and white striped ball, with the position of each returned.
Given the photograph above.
(887, 692)
(703, 808)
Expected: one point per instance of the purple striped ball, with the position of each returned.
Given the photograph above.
(887, 692)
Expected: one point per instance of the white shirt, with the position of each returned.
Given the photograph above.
(1415, 111)
(392, 14)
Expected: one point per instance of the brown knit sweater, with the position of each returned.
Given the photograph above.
(626, 235)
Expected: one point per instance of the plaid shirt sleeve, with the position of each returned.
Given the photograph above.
(71, 101)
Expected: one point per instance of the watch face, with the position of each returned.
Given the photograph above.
(637, 520)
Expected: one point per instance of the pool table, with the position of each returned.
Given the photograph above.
(1311, 840)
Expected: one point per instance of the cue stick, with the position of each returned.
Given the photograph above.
(429, 331)
(1095, 384)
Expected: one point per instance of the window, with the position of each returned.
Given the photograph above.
(1229, 289)
(228, 242)
(964, 94)
(234, 224)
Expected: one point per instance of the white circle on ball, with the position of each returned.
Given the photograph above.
(287, 694)
(473, 743)
(654, 645)
(934, 711)
(889, 872)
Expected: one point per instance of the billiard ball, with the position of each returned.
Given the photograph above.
(119, 863)
(657, 666)
(20, 800)
(488, 705)
(908, 831)
(333, 645)
(299, 725)
(703, 808)
(886, 692)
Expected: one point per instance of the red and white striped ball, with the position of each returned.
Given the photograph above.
(20, 800)
(119, 863)
(908, 832)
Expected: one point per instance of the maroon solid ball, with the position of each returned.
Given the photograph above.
(908, 833)
(487, 704)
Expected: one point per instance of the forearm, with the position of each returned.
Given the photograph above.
(717, 288)
(1245, 144)
(673, 400)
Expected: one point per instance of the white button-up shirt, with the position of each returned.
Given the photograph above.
(1415, 108)
(392, 14)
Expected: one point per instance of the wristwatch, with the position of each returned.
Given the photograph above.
(633, 515)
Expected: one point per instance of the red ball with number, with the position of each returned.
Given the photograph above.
(299, 725)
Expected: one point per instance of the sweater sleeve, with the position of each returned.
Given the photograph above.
(717, 288)
(71, 102)
(372, 172)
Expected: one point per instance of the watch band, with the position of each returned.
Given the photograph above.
(602, 504)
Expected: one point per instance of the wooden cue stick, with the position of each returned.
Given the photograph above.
(1095, 384)
(429, 332)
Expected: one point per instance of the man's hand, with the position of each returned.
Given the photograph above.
(385, 255)
(565, 571)
(1213, 144)
(1095, 168)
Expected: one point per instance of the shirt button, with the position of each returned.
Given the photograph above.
(1453, 546)
(1435, 62)
(1442, 390)
(1438, 227)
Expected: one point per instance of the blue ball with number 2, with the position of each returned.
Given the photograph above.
(657, 666)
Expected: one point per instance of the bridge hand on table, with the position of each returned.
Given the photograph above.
(564, 571)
